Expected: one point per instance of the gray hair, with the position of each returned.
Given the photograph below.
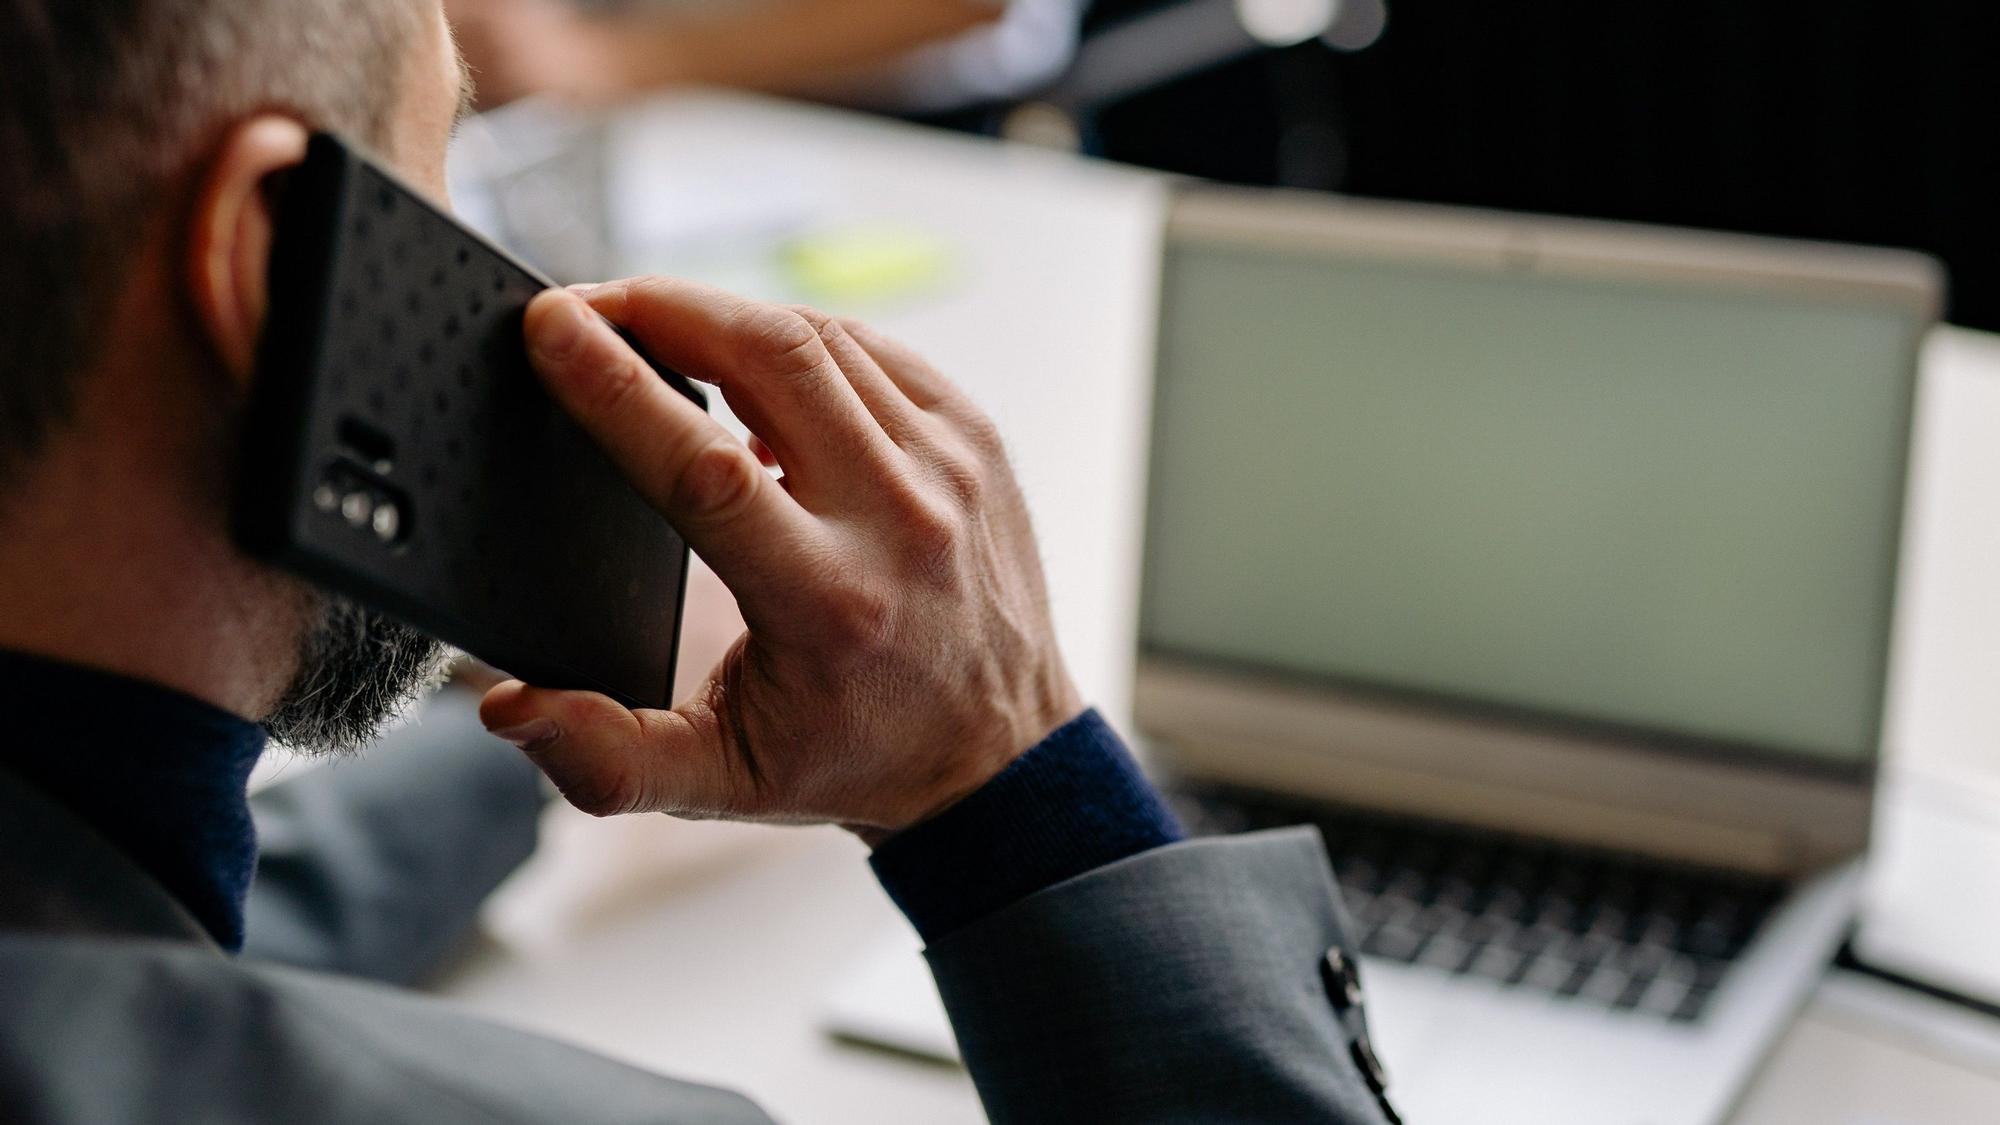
(106, 107)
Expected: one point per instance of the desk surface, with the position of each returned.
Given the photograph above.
(706, 950)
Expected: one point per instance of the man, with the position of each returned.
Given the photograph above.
(898, 674)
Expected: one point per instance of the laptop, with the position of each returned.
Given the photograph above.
(1548, 566)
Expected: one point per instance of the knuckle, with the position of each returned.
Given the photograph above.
(819, 320)
(832, 333)
(980, 431)
(860, 613)
(717, 483)
(933, 534)
(779, 341)
(965, 481)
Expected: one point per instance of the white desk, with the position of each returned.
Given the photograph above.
(706, 950)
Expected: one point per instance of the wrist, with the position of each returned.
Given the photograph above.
(967, 784)
(1073, 803)
(1057, 704)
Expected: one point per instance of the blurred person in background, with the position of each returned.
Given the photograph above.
(918, 57)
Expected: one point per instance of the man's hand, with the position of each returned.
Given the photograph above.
(898, 651)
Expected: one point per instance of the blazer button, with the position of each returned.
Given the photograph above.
(1343, 990)
(1371, 1067)
(1363, 1054)
(1343, 982)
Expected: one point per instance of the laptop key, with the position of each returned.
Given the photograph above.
(1408, 885)
(1609, 922)
(1643, 961)
(1589, 949)
(1709, 973)
(1692, 1006)
(1533, 939)
(1635, 991)
(1486, 929)
(1449, 953)
(1558, 911)
(1656, 929)
(1508, 903)
(1578, 977)
(1437, 920)
(1498, 963)
(1549, 972)
(1384, 910)
(1605, 985)
(1664, 997)
(1456, 893)
(1394, 942)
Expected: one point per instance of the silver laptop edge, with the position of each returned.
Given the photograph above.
(1659, 795)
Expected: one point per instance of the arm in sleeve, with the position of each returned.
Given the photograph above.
(378, 867)
(1208, 980)
(1072, 803)
(1098, 968)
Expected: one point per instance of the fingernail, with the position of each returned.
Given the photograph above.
(531, 735)
(563, 331)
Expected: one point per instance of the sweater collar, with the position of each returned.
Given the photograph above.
(161, 776)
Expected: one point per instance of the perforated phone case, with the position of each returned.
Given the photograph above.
(400, 451)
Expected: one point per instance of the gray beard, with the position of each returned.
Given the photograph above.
(357, 671)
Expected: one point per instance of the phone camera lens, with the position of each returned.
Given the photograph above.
(356, 507)
(387, 522)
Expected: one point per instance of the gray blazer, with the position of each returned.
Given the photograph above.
(1203, 982)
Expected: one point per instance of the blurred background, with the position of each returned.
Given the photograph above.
(1575, 448)
(1846, 120)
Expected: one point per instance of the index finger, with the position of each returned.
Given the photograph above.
(691, 470)
(775, 368)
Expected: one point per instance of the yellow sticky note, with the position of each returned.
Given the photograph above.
(866, 263)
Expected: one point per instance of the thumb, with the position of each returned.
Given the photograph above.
(608, 760)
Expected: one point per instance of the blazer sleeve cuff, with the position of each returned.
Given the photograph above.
(1207, 980)
(1074, 802)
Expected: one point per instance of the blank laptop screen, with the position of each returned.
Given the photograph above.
(1654, 505)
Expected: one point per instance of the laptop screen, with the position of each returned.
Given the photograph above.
(1659, 506)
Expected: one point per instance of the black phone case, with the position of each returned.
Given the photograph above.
(399, 449)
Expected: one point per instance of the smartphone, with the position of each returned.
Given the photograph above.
(399, 449)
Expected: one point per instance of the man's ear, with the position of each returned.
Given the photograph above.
(228, 250)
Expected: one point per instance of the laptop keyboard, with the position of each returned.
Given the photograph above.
(1622, 931)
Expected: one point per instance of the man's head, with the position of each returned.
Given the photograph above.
(142, 145)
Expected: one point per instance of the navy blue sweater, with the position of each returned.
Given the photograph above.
(164, 778)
